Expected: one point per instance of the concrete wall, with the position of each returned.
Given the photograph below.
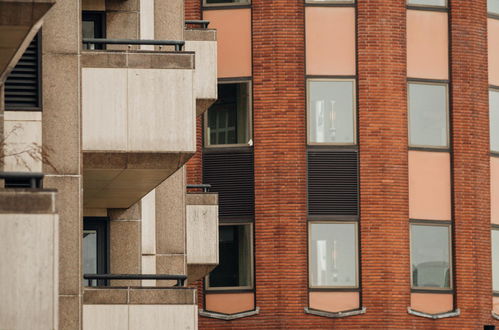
(139, 317)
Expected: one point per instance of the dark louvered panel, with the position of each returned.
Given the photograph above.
(231, 175)
(332, 183)
(22, 86)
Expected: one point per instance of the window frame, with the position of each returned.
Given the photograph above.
(494, 227)
(354, 114)
(101, 226)
(251, 287)
(494, 89)
(226, 4)
(419, 6)
(357, 256)
(430, 223)
(249, 119)
(99, 19)
(447, 146)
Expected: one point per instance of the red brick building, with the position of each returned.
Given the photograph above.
(354, 146)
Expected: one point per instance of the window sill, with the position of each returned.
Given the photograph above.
(335, 315)
(453, 313)
(228, 317)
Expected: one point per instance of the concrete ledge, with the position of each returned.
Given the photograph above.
(200, 35)
(137, 59)
(201, 199)
(453, 313)
(495, 315)
(228, 317)
(27, 201)
(335, 315)
(139, 296)
(202, 105)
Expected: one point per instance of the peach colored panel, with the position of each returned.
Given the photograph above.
(234, 41)
(334, 301)
(427, 45)
(494, 190)
(229, 303)
(330, 40)
(429, 185)
(432, 303)
(493, 40)
(495, 304)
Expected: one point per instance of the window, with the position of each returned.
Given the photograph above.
(430, 256)
(493, 7)
(331, 111)
(495, 260)
(333, 255)
(23, 85)
(428, 118)
(93, 26)
(235, 268)
(229, 119)
(428, 3)
(94, 247)
(494, 119)
(225, 2)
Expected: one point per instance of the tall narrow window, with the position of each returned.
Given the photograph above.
(333, 255)
(431, 257)
(93, 26)
(94, 247)
(428, 118)
(331, 111)
(493, 7)
(495, 260)
(494, 119)
(235, 267)
(23, 86)
(229, 119)
(428, 3)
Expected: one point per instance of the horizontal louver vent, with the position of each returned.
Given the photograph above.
(332, 183)
(231, 176)
(22, 85)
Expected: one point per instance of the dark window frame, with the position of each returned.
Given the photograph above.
(224, 5)
(39, 101)
(100, 225)
(99, 19)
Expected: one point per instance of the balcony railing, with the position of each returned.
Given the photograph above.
(22, 179)
(206, 187)
(178, 44)
(203, 23)
(179, 278)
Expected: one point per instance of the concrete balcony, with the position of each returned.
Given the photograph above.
(29, 259)
(204, 43)
(139, 122)
(139, 308)
(202, 234)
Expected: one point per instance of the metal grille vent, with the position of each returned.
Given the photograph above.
(231, 175)
(332, 183)
(22, 87)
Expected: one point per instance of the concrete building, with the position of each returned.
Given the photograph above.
(354, 148)
(98, 118)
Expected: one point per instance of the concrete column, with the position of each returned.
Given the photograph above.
(2, 109)
(122, 21)
(170, 226)
(169, 19)
(124, 242)
(61, 134)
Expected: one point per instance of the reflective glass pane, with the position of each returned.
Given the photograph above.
(430, 257)
(493, 6)
(428, 115)
(333, 255)
(495, 260)
(494, 119)
(228, 118)
(89, 253)
(331, 112)
(234, 267)
(437, 3)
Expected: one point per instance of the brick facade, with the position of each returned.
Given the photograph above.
(279, 107)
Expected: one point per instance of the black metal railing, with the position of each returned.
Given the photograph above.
(178, 44)
(205, 187)
(179, 278)
(203, 23)
(22, 179)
